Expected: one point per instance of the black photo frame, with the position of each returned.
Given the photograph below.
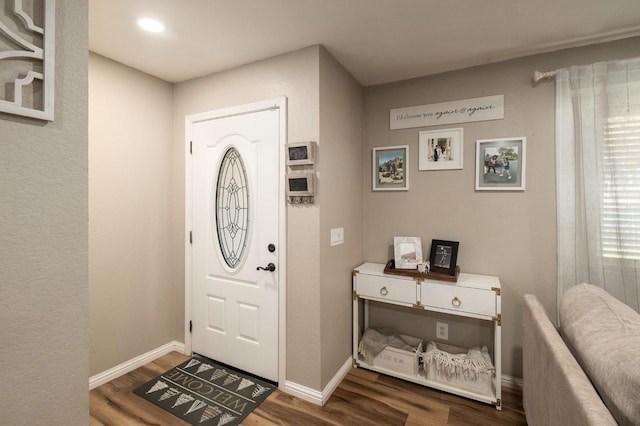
(443, 257)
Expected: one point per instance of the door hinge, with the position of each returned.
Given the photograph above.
(191, 147)
(190, 237)
(190, 326)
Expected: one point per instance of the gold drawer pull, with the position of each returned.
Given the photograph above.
(384, 291)
(456, 302)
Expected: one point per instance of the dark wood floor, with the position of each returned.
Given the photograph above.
(363, 398)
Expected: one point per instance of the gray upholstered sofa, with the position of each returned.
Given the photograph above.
(588, 371)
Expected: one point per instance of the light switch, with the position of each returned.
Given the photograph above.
(337, 236)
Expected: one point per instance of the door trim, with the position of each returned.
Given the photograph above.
(190, 120)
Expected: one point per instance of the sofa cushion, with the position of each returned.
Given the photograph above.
(604, 336)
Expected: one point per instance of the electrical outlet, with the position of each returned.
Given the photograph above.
(442, 330)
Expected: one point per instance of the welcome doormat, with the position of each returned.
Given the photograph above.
(204, 393)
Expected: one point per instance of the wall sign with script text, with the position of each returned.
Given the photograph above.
(464, 111)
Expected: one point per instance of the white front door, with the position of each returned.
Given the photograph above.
(235, 242)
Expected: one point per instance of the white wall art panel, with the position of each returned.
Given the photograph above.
(27, 53)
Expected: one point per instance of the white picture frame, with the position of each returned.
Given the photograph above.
(501, 164)
(390, 168)
(407, 252)
(301, 153)
(300, 184)
(441, 149)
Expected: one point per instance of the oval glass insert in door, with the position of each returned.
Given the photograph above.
(232, 208)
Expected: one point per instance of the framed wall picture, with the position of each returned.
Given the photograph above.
(300, 153)
(500, 164)
(443, 256)
(440, 149)
(390, 168)
(300, 184)
(407, 252)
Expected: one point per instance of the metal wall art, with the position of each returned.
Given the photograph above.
(27, 58)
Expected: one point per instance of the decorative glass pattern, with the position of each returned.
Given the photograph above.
(232, 208)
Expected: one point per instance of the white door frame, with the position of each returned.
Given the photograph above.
(190, 120)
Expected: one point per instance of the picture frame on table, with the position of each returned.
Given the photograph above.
(407, 252)
(440, 149)
(443, 256)
(391, 168)
(501, 164)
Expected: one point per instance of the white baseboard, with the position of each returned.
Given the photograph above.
(511, 382)
(314, 396)
(132, 364)
(320, 398)
(302, 392)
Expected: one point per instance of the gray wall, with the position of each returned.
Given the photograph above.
(511, 235)
(132, 309)
(340, 201)
(43, 247)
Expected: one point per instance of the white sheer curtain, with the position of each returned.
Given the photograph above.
(598, 177)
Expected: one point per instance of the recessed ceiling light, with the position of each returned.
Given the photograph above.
(151, 25)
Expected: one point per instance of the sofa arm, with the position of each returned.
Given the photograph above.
(556, 391)
(604, 335)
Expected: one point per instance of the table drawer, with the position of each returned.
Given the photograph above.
(387, 289)
(459, 299)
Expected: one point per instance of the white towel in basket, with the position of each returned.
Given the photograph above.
(375, 340)
(467, 365)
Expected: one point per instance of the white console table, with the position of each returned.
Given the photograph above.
(473, 296)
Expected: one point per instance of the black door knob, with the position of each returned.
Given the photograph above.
(271, 248)
(270, 267)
